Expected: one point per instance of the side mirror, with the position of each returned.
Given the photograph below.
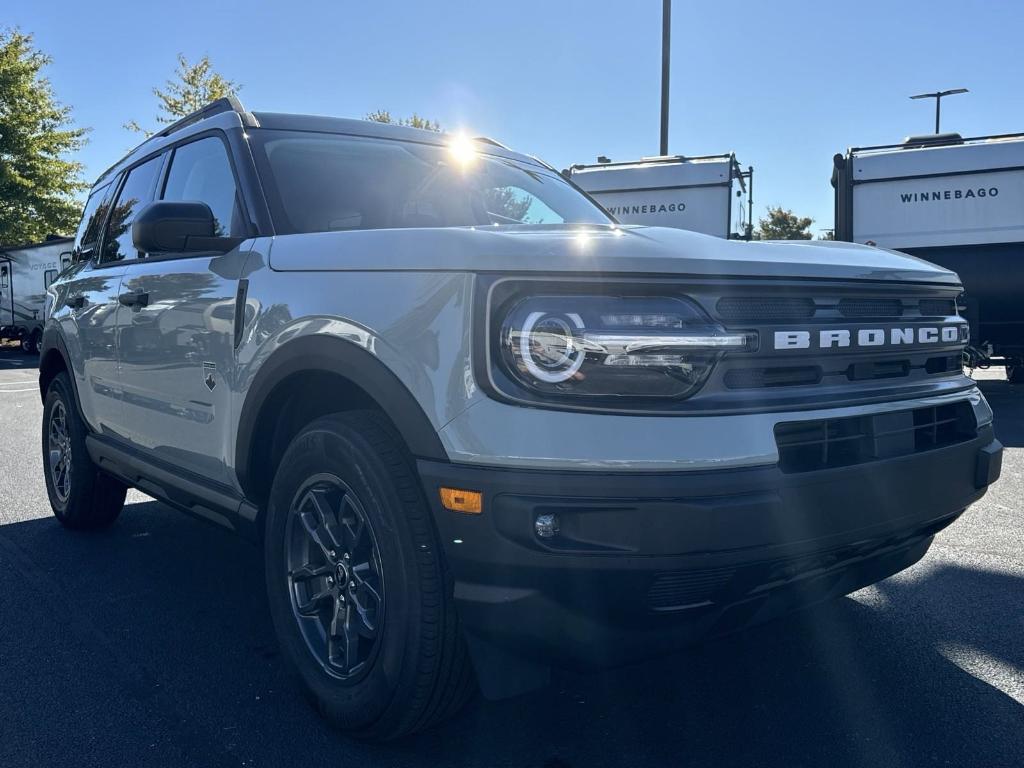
(179, 227)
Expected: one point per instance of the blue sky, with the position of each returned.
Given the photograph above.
(784, 84)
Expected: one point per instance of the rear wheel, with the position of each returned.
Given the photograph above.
(82, 497)
(358, 591)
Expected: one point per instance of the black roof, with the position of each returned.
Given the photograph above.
(229, 113)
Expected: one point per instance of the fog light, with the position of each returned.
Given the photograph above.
(546, 525)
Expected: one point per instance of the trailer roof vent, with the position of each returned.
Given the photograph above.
(932, 140)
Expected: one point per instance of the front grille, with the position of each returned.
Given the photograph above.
(870, 307)
(676, 590)
(937, 307)
(755, 309)
(757, 378)
(809, 446)
(768, 309)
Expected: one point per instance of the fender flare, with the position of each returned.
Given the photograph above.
(52, 343)
(349, 361)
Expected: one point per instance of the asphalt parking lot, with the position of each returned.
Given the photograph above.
(150, 644)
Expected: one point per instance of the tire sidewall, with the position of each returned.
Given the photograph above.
(59, 391)
(322, 449)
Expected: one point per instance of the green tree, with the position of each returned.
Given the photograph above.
(782, 224)
(383, 116)
(193, 87)
(38, 181)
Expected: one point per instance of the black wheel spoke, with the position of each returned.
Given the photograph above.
(334, 576)
(307, 572)
(312, 606)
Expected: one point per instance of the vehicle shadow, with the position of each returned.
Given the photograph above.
(150, 644)
(13, 359)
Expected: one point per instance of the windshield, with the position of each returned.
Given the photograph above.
(330, 183)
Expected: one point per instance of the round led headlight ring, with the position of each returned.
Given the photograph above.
(548, 347)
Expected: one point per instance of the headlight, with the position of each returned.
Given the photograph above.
(610, 347)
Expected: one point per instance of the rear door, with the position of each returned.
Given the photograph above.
(89, 306)
(177, 341)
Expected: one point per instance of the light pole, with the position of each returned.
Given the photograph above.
(666, 44)
(937, 95)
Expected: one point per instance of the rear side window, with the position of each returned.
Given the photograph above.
(89, 229)
(201, 172)
(135, 194)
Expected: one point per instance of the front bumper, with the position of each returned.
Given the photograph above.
(646, 562)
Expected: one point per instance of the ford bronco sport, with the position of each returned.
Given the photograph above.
(479, 428)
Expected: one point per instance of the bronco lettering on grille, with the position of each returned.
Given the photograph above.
(868, 337)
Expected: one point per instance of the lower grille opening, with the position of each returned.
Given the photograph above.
(808, 446)
(947, 364)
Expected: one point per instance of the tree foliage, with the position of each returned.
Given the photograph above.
(193, 87)
(38, 183)
(383, 116)
(506, 202)
(782, 224)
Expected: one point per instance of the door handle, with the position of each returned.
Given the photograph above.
(75, 303)
(134, 299)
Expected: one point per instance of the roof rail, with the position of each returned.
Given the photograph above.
(489, 140)
(225, 104)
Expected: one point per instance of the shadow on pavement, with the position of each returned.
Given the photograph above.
(150, 645)
(13, 359)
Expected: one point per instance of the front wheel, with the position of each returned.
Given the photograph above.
(359, 595)
(82, 497)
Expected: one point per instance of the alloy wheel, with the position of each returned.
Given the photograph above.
(59, 452)
(335, 578)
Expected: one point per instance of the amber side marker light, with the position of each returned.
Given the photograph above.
(457, 500)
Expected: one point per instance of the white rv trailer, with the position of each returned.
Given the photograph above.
(955, 202)
(709, 194)
(26, 271)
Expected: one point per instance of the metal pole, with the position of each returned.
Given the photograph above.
(750, 202)
(938, 108)
(666, 41)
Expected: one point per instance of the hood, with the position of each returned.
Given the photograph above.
(599, 249)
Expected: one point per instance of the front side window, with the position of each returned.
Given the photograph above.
(201, 172)
(135, 194)
(329, 182)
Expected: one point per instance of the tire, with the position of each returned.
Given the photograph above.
(82, 497)
(408, 668)
(34, 342)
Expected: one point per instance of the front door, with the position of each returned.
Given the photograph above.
(177, 337)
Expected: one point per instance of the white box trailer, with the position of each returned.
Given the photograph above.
(709, 194)
(955, 202)
(26, 271)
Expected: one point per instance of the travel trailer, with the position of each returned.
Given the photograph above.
(26, 271)
(958, 203)
(710, 194)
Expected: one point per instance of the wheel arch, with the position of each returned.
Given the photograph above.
(54, 358)
(318, 367)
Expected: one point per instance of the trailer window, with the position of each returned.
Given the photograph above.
(5, 275)
(48, 277)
